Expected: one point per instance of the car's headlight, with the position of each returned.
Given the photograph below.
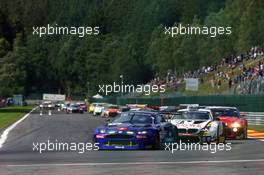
(102, 131)
(130, 132)
(235, 125)
(235, 129)
(111, 132)
(142, 132)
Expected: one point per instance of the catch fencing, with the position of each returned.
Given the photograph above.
(254, 118)
(247, 103)
(254, 86)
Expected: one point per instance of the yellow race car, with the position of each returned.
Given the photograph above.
(91, 107)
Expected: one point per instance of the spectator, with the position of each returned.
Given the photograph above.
(219, 83)
(230, 83)
(173, 79)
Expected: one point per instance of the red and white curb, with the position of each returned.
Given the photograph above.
(256, 134)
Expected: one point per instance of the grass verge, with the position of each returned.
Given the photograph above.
(10, 115)
(256, 127)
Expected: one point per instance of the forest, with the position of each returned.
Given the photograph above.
(131, 41)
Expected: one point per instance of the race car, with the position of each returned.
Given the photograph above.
(91, 107)
(82, 105)
(135, 130)
(198, 126)
(153, 107)
(65, 106)
(167, 111)
(236, 126)
(47, 105)
(74, 108)
(110, 111)
(98, 108)
(142, 109)
(136, 106)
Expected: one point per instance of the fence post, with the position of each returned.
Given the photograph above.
(41, 110)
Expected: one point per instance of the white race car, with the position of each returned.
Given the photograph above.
(198, 126)
(99, 107)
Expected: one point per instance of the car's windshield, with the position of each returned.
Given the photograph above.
(196, 115)
(225, 112)
(133, 118)
(178, 116)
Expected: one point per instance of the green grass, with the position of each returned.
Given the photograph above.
(10, 115)
(256, 127)
(206, 88)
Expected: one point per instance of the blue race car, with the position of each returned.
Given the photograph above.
(135, 130)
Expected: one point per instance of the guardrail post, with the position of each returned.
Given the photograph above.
(49, 108)
(41, 110)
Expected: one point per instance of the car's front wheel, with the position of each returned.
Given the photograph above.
(221, 138)
(245, 133)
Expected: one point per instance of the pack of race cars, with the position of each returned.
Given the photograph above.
(68, 107)
(104, 109)
(140, 126)
(144, 127)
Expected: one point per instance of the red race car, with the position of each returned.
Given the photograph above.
(110, 111)
(236, 127)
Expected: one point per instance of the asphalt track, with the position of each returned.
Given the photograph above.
(17, 155)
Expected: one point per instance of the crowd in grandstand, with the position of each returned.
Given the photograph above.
(253, 71)
(223, 71)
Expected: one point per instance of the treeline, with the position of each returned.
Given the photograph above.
(131, 41)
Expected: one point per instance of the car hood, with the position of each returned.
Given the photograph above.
(124, 127)
(196, 124)
(112, 110)
(228, 120)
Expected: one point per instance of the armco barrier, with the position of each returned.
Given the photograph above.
(252, 103)
(254, 118)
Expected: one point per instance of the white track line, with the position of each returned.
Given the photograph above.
(137, 163)
(6, 132)
(257, 138)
